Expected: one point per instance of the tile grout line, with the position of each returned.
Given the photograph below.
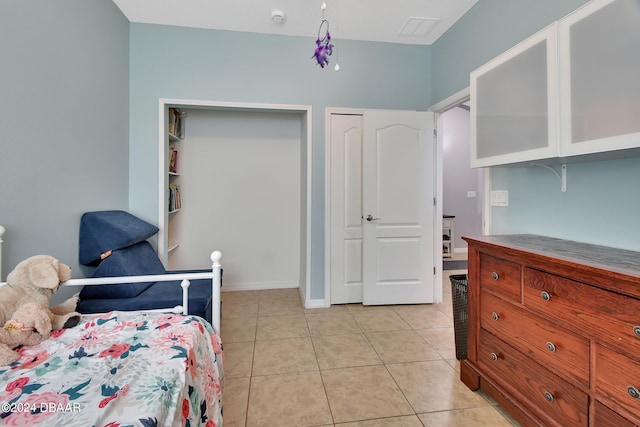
(324, 385)
(391, 375)
(251, 376)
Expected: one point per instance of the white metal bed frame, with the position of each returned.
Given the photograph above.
(215, 275)
(2, 229)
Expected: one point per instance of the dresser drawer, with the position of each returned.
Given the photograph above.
(500, 277)
(550, 345)
(617, 380)
(603, 315)
(555, 400)
(605, 417)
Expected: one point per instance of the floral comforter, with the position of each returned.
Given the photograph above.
(119, 369)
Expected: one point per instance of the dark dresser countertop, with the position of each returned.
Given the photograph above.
(590, 259)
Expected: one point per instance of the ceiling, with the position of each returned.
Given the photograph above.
(397, 21)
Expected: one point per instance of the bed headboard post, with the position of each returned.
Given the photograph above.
(2, 230)
(216, 284)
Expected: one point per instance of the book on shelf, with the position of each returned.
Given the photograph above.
(179, 129)
(173, 160)
(175, 201)
(172, 120)
(175, 122)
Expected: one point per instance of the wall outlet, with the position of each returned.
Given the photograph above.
(471, 194)
(499, 198)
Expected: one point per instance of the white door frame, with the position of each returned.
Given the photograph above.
(439, 108)
(306, 151)
(327, 212)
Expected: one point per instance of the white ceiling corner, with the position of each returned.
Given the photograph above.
(419, 22)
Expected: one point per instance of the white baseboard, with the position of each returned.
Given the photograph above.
(316, 303)
(257, 286)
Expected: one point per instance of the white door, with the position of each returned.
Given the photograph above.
(346, 208)
(398, 192)
(384, 255)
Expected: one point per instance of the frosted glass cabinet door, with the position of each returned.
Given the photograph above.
(514, 104)
(600, 77)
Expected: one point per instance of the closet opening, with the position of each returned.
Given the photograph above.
(244, 175)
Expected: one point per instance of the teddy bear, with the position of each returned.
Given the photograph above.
(29, 325)
(35, 280)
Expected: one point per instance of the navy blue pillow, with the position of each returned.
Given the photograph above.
(139, 259)
(103, 231)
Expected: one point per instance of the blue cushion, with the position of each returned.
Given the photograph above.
(159, 295)
(103, 231)
(139, 259)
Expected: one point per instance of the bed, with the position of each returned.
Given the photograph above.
(123, 368)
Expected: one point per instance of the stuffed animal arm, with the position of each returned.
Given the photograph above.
(30, 325)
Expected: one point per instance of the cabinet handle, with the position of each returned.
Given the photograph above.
(549, 396)
(495, 316)
(551, 347)
(495, 275)
(636, 330)
(633, 392)
(545, 296)
(494, 357)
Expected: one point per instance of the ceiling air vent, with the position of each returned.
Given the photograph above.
(418, 27)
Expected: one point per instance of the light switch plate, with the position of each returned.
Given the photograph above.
(500, 198)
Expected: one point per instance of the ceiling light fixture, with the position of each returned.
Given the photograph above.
(278, 16)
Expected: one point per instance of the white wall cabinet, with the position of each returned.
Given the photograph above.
(599, 48)
(514, 104)
(571, 89)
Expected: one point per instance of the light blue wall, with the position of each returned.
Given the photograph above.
(64, 120)
(600, 206)
(485, 31)
(602, 199)
(66, 71)
(174, 62)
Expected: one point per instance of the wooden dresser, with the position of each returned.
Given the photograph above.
(554, 330)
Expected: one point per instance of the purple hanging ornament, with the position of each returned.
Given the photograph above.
(324, 48)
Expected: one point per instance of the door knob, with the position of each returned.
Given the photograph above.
(371, 218)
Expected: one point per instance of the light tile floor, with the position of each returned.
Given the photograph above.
(347, 365)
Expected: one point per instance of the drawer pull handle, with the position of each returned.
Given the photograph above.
(633, 392)
(495, 276)
(494, 357)
(495, 316)
(551, 347)
(549, 396)
(545, 296)
(636, 330)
